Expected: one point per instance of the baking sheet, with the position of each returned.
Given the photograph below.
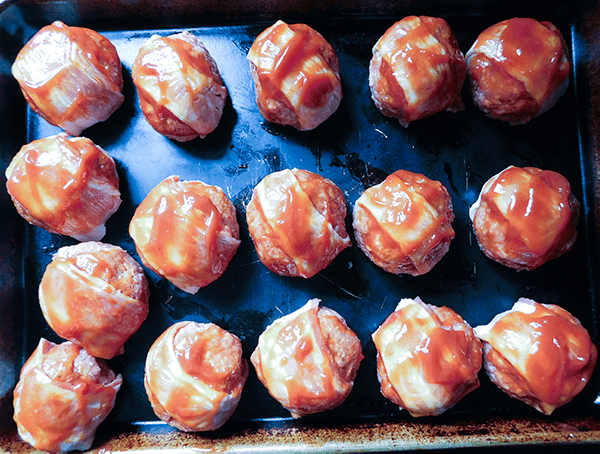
(356, 148)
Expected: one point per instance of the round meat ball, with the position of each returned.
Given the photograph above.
(71, 76)
(296, 75)
(417, 70)
(518, 69)
(308, 359)
(297, 221)
(428, 357)
(538, 353)
(525, 217)
(404, 224)
(95, 295)
(66, 185)
(186, 232)
(179, 85)
(62, 396)
(194, 376)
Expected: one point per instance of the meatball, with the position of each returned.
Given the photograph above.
(518, 69)
(296, 75)
(404, 224)
(71, 76)
(180, 89)
(66, 185)
(538, 353)
(194, 376)
(186, 232)
(417, 70)
(525, 217)
(428, 358)
(297, 221)
(308, 359)
(62, 396)
(95, 295)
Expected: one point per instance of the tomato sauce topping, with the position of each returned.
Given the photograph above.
(284, 51)
(51, 175)
(180, 213)
(530, 51)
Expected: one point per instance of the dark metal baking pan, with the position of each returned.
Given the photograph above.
(356, 148)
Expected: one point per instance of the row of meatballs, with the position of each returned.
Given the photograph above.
(428, 359)
(188, 232)
(517, 70)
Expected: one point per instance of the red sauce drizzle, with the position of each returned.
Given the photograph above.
(192, 352)
(91, 265)
(530, 48)
(395, 93)
(296, 229)
(311, 382)
(159, 65)
(304, 44)
(418, 56)
(174, 228)
(435, 361)
(523, 42)
(36, 177)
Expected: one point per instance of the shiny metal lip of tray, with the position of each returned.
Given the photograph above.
(355, 148)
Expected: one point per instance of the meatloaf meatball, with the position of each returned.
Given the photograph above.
(194, 376)
(538, 353)
(179, 85)
(417, 70)
(297, 221)
(518, 69)
(404, 224)
(308, 359)
(296, 75)
(525, 217)
(428, 357)
(71, 76)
